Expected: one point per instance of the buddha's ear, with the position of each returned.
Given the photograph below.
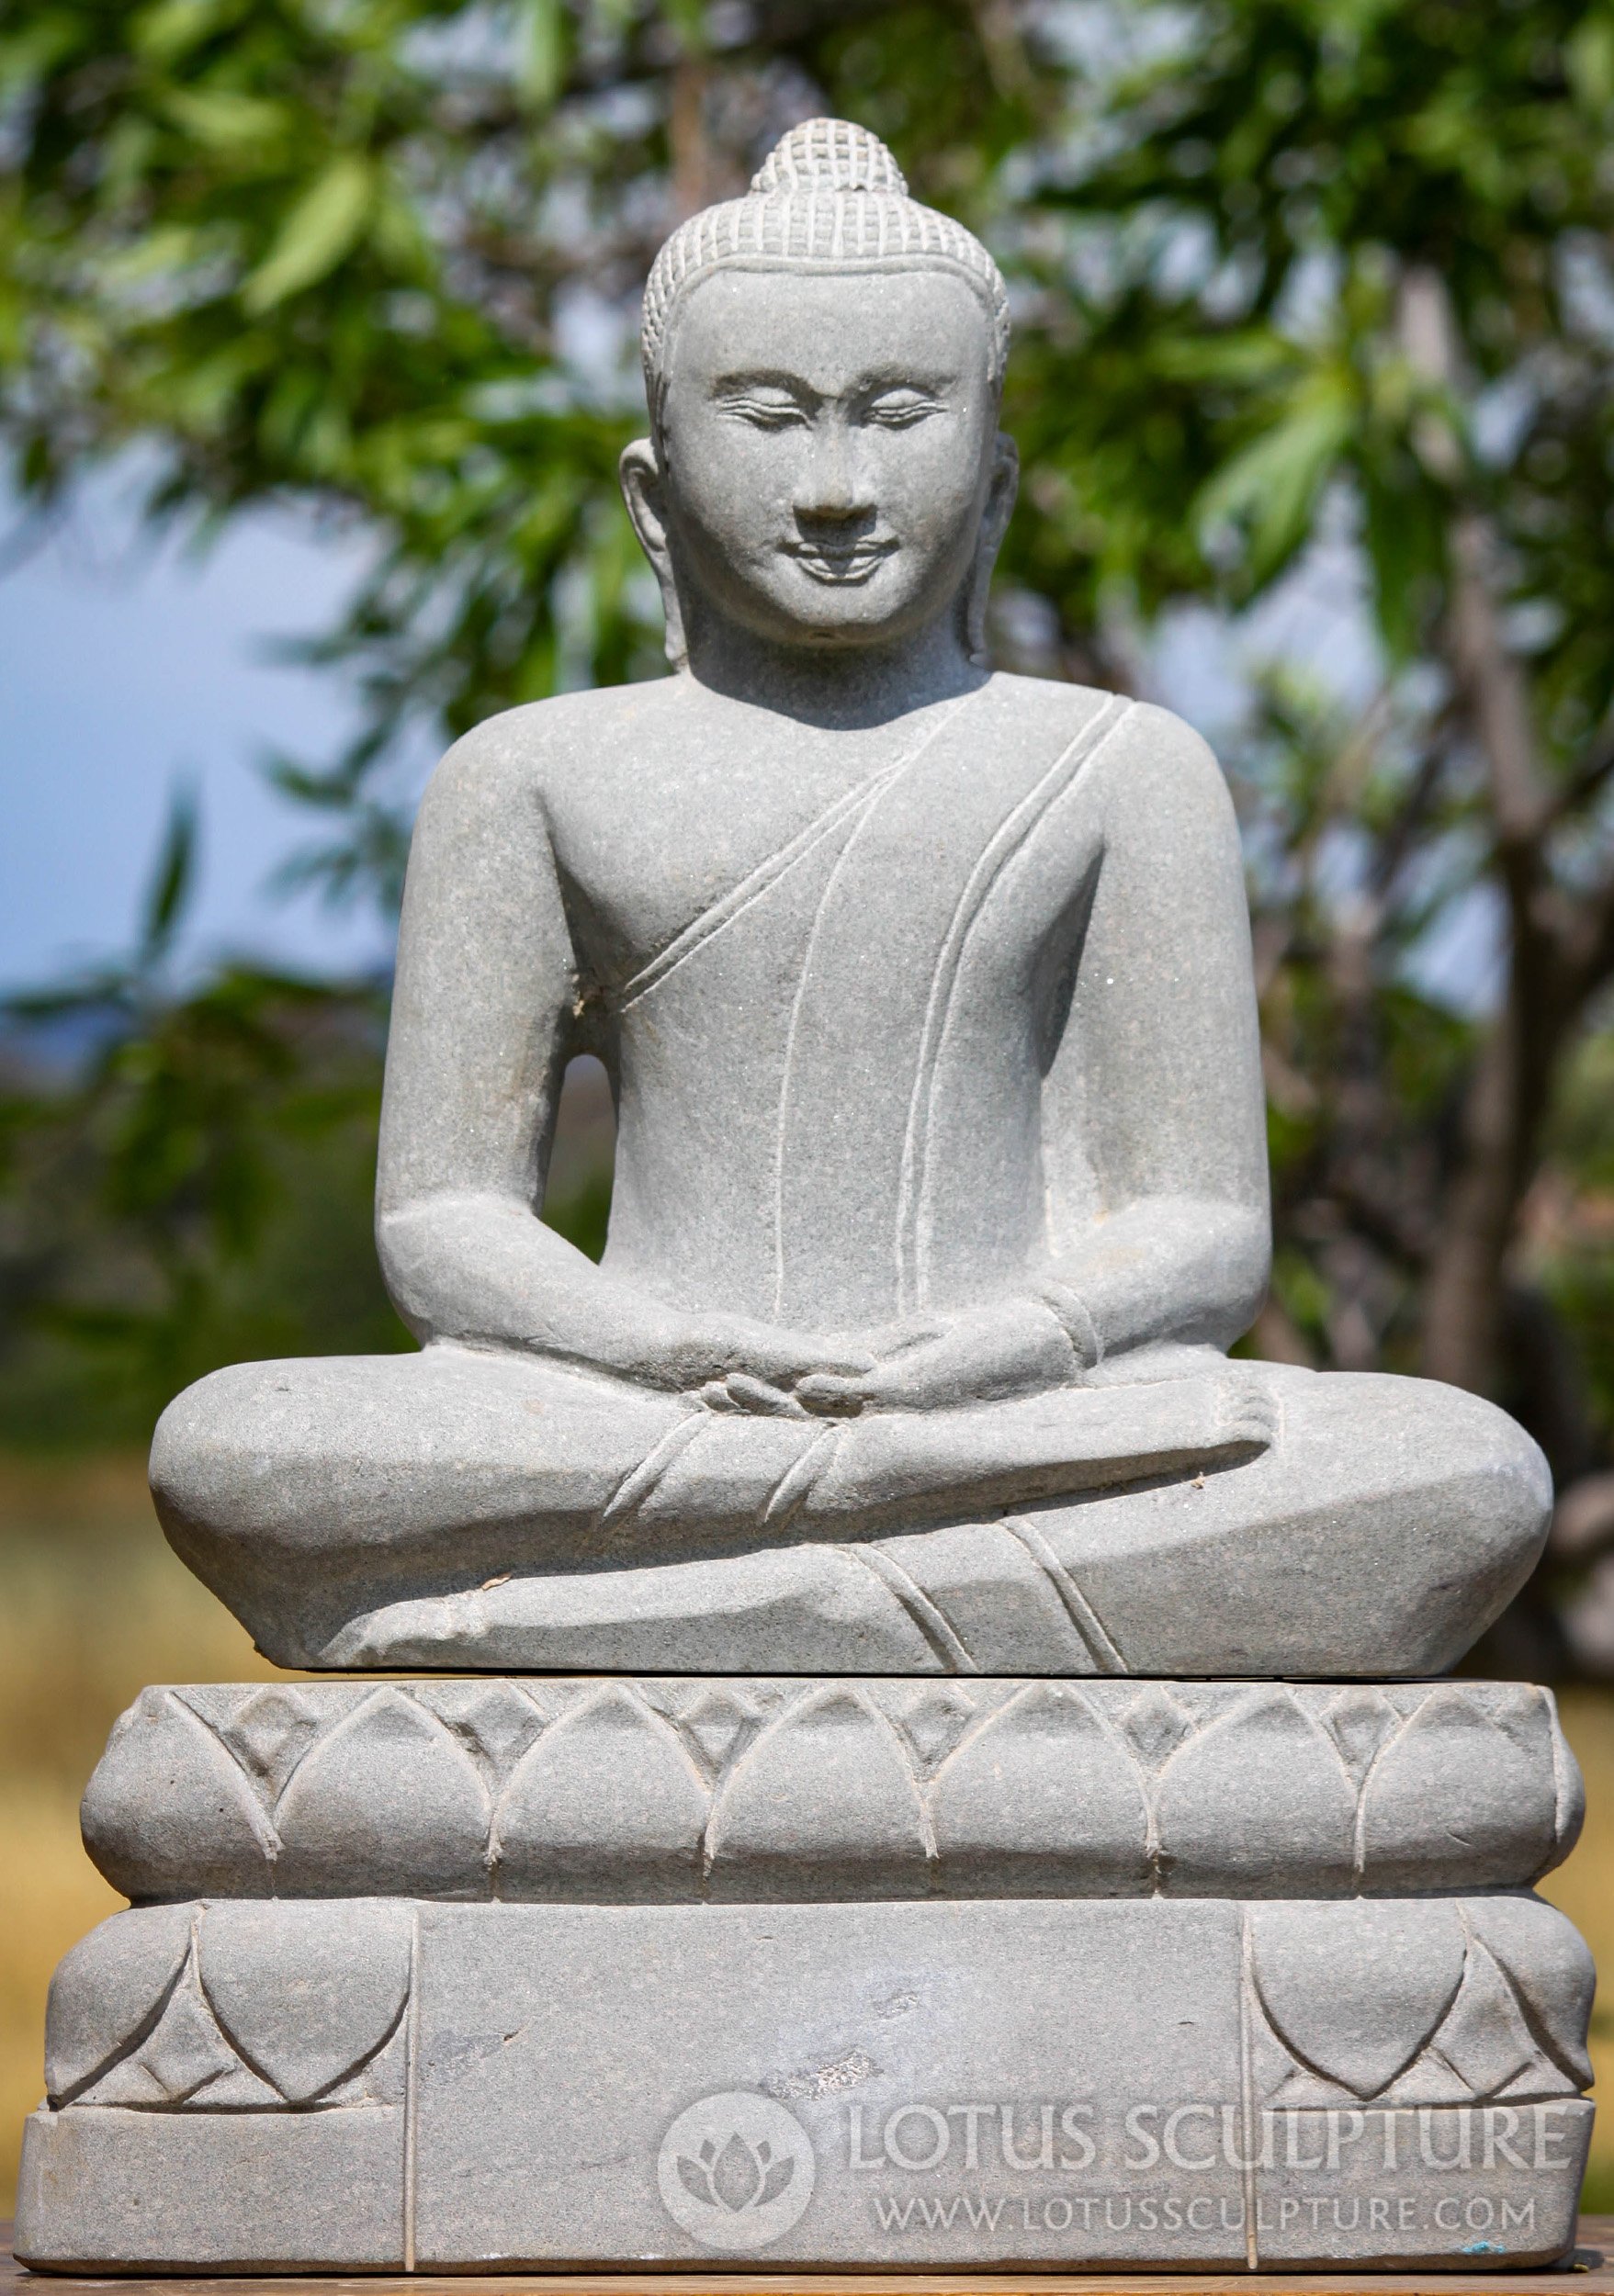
(640, 472)
(1001, 492)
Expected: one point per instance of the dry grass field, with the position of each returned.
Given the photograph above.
(93, 1605)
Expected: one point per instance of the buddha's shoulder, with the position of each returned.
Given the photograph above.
(541, 746)
(1133, 739)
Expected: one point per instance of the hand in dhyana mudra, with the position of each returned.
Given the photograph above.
(928, 1362)
(739, 1363)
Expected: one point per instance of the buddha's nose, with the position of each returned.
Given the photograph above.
(831, 482)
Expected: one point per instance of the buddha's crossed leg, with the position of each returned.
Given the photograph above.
(461, 1507)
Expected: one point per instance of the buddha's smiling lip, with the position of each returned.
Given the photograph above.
(840, 567)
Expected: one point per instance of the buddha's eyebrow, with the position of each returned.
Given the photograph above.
(871, 384)
(766, 378)
(877, 379)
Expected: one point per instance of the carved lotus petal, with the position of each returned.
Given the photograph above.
(607, 1799)
(1549, 1962)
(306, 1992)
(1359, 1720)
(494, 1719)
(1569, 1815)
(1256, 1805)
(1043, 1797)
(933, 1720)
(270, 1730)
(717, 1721)
(388, 1803)
(824, 1792)
(1355, 1988)
(109, 1992)
(186, 2052)
(1157, 1724)
(1456, 1802)
(1486, 2039)
(236, 2090)
(169, 1814)
(1528, 1716)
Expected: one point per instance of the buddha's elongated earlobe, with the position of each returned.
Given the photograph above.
(641, 477)
(994, 523)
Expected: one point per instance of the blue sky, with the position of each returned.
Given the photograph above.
(124, 669)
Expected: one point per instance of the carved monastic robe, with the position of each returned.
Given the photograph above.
(872, 976)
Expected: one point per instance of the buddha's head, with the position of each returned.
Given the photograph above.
(824, 360)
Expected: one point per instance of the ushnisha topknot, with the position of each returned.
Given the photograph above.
(828, 197)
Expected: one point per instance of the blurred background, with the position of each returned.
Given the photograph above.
(317, 350)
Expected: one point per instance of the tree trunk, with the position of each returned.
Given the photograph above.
(1464, 1289)
(1499, 1126)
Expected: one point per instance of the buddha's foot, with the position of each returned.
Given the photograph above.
(844, 1972)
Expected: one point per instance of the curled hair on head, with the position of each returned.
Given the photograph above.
(828, 197)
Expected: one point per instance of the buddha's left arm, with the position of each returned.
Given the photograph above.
(1154, 1123)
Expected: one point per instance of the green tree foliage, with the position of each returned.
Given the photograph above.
(192, 1186)
(194, 1189)
(1283, 270)
(1358, 258)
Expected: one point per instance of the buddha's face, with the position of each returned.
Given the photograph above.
(827, 449)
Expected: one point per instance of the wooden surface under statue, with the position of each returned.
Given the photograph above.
(941, 1181)
(926, 1763)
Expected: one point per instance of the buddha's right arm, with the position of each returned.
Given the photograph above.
(485, 1271)
(482, 1025)
(483, 1021)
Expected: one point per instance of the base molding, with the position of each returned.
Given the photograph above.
(688, 1788)
(989, 2084)
(1591, 2261)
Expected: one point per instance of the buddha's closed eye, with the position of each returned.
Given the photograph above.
(775, 408)
(898, 410)
(767, 410)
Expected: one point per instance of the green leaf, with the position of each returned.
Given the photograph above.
(173, 27)
(1271, 486)
(1588, 58)
(28, 54)
(222, 119)
(171, 880)
(541, 58)
(688, 19)
(1251, 356)
(1404, 533)
(320, 230)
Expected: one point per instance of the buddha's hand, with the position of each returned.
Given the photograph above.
(1013, 1346)
(738, 1363)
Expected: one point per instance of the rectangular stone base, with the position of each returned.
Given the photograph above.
(1050, 2082)
(1591, 2261)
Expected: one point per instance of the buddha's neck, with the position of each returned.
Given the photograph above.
(836, 686)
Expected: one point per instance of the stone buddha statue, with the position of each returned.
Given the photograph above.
(941, 1189)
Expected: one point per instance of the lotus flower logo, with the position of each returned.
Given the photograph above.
(736, 2170)
(740, 2177)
